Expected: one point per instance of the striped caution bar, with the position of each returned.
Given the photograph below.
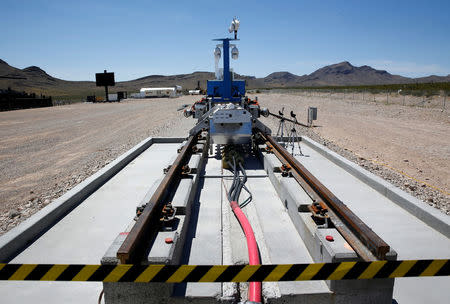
(223, 273)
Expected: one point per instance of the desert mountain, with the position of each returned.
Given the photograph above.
(343, 73)
(346, 74)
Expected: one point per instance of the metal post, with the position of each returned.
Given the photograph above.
(106, 93)
(106, 88)
(226, 70)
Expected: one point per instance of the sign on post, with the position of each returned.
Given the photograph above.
(105, 79)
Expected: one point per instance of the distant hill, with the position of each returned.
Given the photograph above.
(340, 74)
(344, 74)
(39, 82)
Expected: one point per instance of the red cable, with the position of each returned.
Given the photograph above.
(253, 254)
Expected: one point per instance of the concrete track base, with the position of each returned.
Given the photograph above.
(208, 232)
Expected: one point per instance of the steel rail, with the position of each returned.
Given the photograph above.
(142, 232)
(353, 241)
(363, 233)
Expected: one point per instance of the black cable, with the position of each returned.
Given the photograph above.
(241, 182)
(235, 177)
(249, 199)
(237, 180)
(238, 183)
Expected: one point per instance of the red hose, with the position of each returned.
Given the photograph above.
(253, 254)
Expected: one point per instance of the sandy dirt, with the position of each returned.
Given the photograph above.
(46, 152)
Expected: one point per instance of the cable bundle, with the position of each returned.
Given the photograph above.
(238, 183)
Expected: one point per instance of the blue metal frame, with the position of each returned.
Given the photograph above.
(226, 90)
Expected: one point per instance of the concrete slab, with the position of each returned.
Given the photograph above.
(84, 235)
(180, 200)
(408, 235)
(162, 251)
(21, 236)
(431, 216)
(282, 240)
(412, 239)
(214, 236)
(337, 250)
(168, 253)
(204, 243)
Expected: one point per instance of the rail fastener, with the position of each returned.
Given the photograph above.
(367, 244)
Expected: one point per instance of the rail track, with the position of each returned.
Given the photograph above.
(148, 224)
(210, 234)
(361, 238)
(327, 207)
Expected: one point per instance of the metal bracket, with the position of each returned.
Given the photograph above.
(167, 217)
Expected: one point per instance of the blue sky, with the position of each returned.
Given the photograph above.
(74, 40)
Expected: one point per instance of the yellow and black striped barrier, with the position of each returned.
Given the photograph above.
(224, 273)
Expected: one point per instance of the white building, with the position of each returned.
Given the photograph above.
(194, 92)
(174, 91)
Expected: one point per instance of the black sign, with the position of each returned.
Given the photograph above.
(104, 79)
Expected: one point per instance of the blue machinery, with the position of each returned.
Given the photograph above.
(226, 112)
(228, 89)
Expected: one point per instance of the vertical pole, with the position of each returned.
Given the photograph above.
(106, 93)
(445, 97)
(404, 99)
(106, 89)
(226, 70)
